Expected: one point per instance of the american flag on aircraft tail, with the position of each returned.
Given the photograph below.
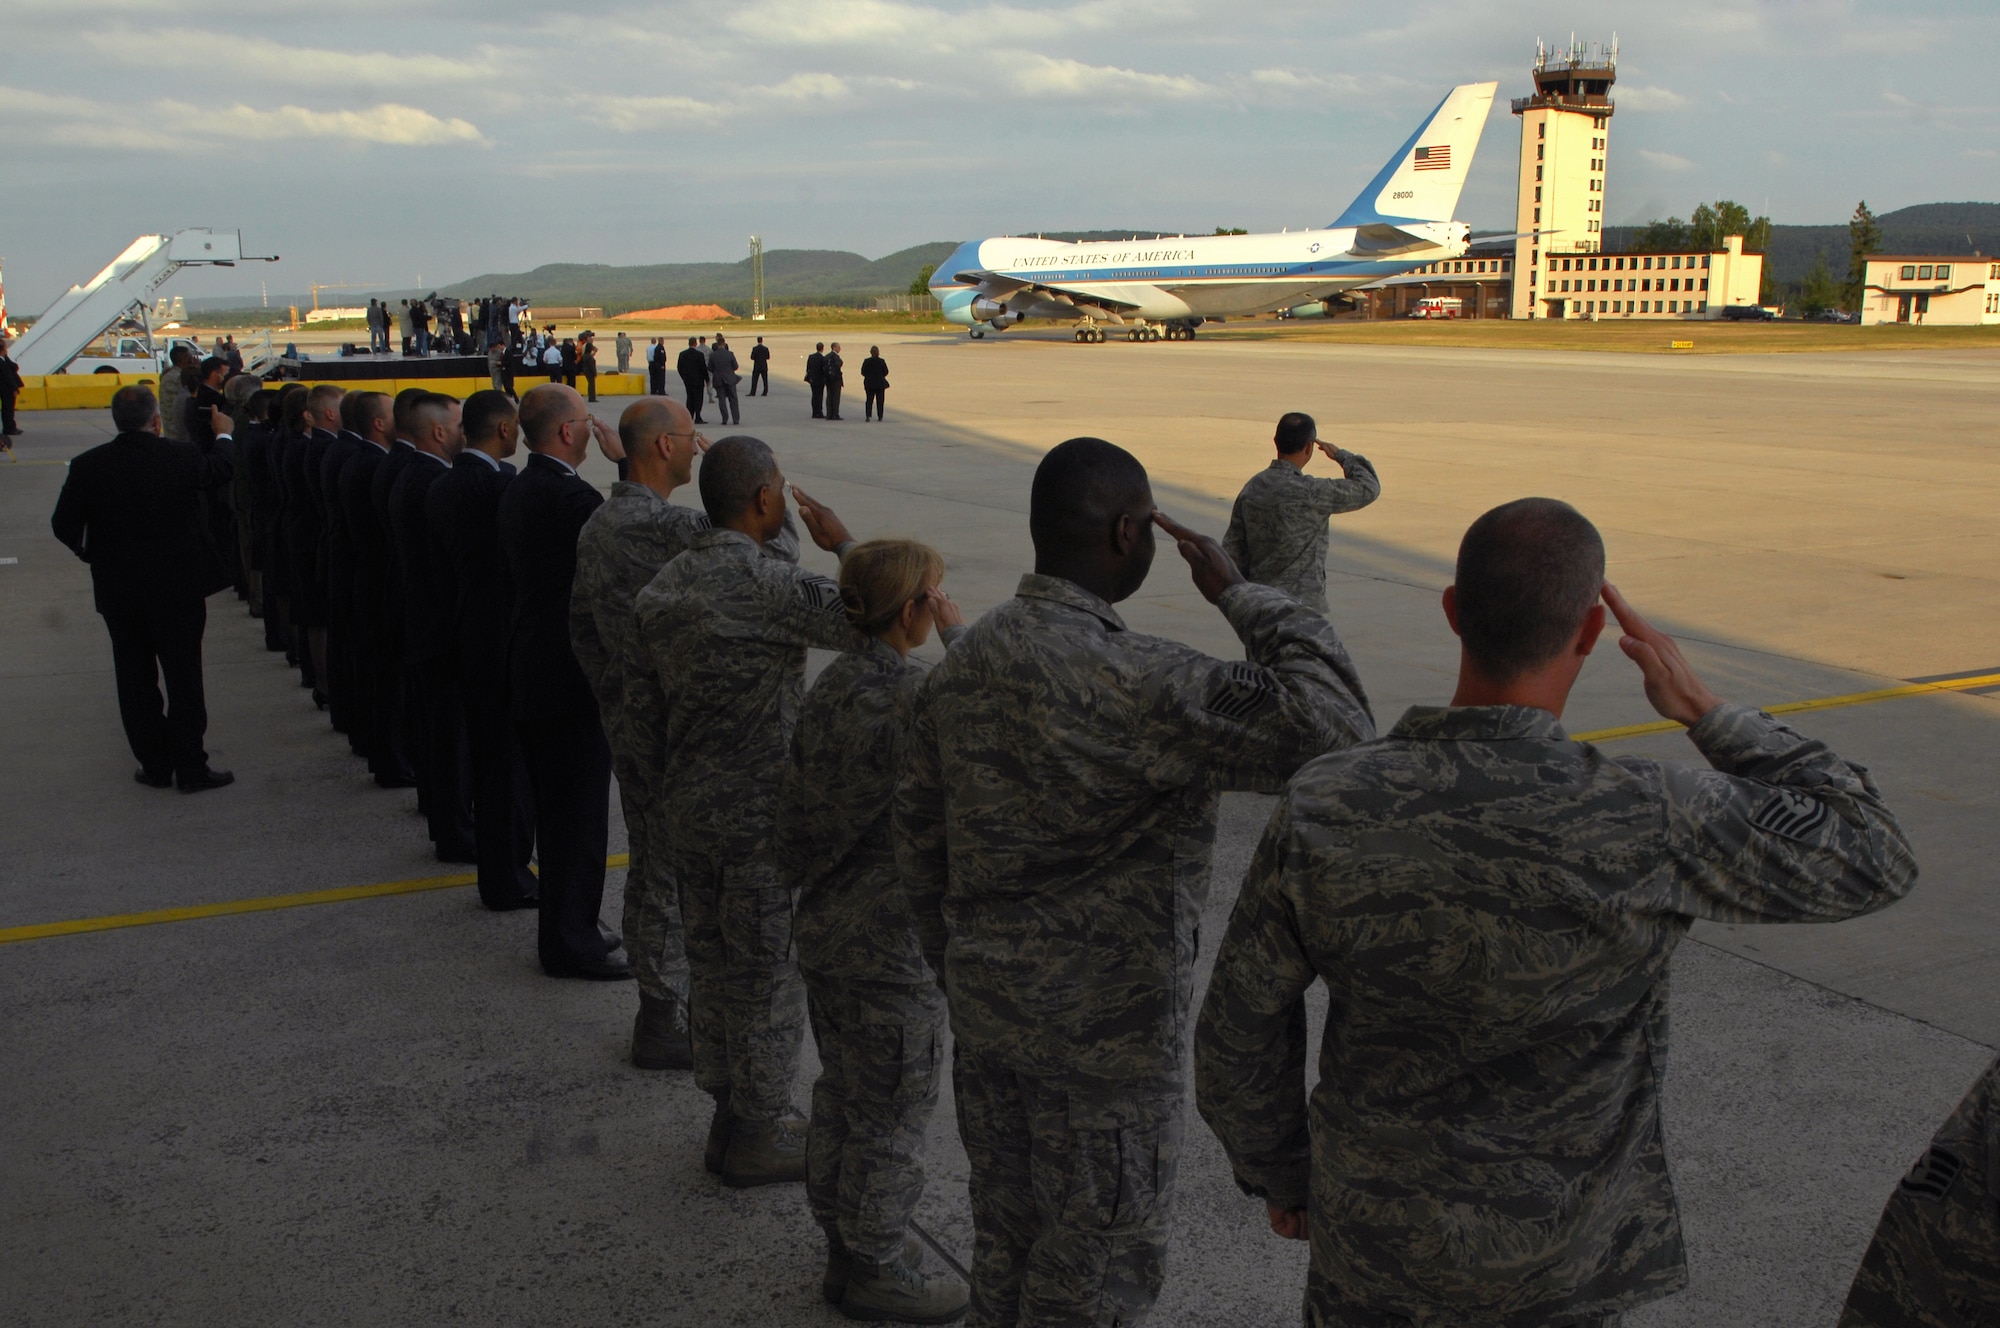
(1435, 158)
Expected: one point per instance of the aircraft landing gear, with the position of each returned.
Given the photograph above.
(1088, 332)
(1180, 332)
(977, 333)
(1143, 332)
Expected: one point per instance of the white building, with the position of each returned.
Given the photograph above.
(1936, 288)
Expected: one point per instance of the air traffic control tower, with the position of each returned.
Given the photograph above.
(1565, 130)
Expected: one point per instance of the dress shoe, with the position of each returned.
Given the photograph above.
(717, 1144)
(839, 1263)
(154, 778)
(902, 1292)
(660, 1035)
(607, 969)
(765, 1153)
(513, 905)
(202, 780)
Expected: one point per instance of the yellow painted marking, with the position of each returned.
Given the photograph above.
(1681, 345)
(41, 930)
(1817, 703)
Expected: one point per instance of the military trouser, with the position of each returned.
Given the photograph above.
(1935, 1259)
(652, 921)
(1072, 1196)
(746, 1005)
(881, 1045)
(1323, 1314)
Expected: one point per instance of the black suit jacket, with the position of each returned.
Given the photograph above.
(875, 371)
(132, 509)
(460, 516)
(367, 545)
(816, 369)
(691, 366)
(832, 372)
(759, 353)
(336, 549)
(427, 614)
(400, 457)
(540, 516)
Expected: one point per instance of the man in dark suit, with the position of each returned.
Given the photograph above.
(656, 368)
(437, 708)
(760, 367)
(874, 385)
(460, 514)
(692, 366)
(10, 389)
(835, 379)
(323, 420)
(816, 378)
(132, 509)
(388, 679)
(554, 709)
(367, 433)
(345, 700)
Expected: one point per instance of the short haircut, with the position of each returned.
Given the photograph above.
(212, 363)
(406, 399)
(320, 394)
(1528, 572)
(292, 402)
(179, 354)
(732, 471)
(241, 388)
(879, 577)
(134, 408)
(257, 406)
(690, 341)
(486, 412)
(360, 409)
(643, 421)
(1296, 432)
(1080, 488)
(541, 408)
(426, 408)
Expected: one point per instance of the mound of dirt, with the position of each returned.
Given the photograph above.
(678, 313)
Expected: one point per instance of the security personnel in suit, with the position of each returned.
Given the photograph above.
(437, 708)
(10, 388)
(346, 701)
(401, 750)
(322, 419)
(816, 378)
(132, 509)
(692, 366)
(372, 417)
(760, 367)
(554, 709)
(656, 368)
(835, 380)
(460, 514)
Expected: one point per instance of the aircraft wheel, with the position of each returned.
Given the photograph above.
(978, 333)
(1102, 336)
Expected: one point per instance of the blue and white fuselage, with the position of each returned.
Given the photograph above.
(1401, 220)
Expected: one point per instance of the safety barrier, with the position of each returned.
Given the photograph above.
(94, 391)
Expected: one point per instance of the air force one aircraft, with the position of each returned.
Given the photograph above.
(1171, 286)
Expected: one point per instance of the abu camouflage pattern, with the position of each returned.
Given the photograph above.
(1935, 1259)
(1493, 909)
(1277, 530)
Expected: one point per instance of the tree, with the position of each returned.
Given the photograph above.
(1230, 230)
(922, 284)
(1657, 237)
(1864, 237)
(1709, 227)
(1820, 291)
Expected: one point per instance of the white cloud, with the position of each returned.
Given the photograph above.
(807, 87)
(260, 58)
(633, 115)
(1648, 99)
(1665, 161)
(387, 123)
(1040, 75)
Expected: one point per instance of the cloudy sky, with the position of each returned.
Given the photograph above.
(374, 141)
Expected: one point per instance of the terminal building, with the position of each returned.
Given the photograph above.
(1936, 288)
(1555, 266)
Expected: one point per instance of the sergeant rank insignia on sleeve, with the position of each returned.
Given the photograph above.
(1239, 690)
(1791, 814)
(819, 593)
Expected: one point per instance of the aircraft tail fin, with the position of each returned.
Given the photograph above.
(1422, 181)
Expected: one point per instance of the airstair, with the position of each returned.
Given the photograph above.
(88, 311)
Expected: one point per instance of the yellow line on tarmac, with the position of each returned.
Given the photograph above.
(1817, 703)
(41, 930)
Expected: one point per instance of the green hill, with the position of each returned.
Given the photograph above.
(791, 276)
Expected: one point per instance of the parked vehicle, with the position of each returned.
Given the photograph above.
(1748, 313)
(1438, 306)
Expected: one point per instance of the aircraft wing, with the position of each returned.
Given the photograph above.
(1000, 286)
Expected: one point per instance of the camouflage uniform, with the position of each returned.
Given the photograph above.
(1054, 832)
(1493, 908)
(1277, 530)
(727, 631)
(877, 1014)
(1935, 1260)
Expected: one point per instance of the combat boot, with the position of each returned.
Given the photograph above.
(660, 1035)
(833, 1282)
(718, 1136)
(902, 1291)
(765, 1152)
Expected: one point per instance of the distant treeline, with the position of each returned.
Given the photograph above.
(1927, 228)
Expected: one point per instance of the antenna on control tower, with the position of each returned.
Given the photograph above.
(757, 278)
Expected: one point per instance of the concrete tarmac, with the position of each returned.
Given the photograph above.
(380, 1112)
